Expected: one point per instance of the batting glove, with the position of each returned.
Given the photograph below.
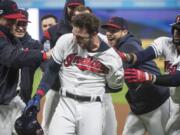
(33, 104)
(127, 57)
(133, 75)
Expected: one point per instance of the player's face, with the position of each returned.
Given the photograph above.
(82, 38)
(19, 29)
(176, 36)
(176, 39)
(70, 12)
(46, 23)
(114, 35)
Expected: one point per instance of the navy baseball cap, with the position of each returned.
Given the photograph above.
(74, 3)
(117, 23)
(9, 10)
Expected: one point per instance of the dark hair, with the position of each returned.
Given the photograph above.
(88, 21)
(49, 16)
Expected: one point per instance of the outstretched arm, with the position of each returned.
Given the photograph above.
(139, 57)
(133, 75)
(46, 82)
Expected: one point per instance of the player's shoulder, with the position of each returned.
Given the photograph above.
(65, 40)
(66, 37)
(163, 40)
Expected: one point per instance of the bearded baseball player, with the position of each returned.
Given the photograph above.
(52, 34)
(86, 67)
(169, 48)
(72, 8)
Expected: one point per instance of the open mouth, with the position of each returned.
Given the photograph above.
(110, 38)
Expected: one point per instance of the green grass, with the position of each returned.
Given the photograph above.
(117, 97)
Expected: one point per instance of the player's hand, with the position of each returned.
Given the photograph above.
(33, 104)
(125, 56)
(133, 75)
(48, 54)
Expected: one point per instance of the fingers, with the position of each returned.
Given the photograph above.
(132, 75)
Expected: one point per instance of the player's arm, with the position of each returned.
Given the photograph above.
(133, 75)
(115, 77)
(138, 57)
(12, 56)
(156, 49)
(168, 80)
(51, 73)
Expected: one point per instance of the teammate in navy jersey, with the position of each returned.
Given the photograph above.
(169, 48)
(19, 30)
(147, 113)
(12, 58)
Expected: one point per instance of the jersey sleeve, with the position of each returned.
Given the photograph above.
(59, 49)
(159, 45)
(12, 56)
(115, 77)
(156, 49)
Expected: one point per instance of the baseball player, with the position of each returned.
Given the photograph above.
(52, 34)
(12, 58)
(110, 122)
(48, 21)
(86, 65)
(19, 30)
(147, 113)
(169, 48)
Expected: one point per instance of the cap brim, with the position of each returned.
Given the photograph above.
(14, 16)
(74, 4)
(110, 25)
(24, 20)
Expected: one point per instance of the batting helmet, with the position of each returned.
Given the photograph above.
(27, 124)
(176, 31)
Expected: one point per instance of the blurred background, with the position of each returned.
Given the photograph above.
(148, 19)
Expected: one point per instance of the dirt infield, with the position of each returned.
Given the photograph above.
(121, 113)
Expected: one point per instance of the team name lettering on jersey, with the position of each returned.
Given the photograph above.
(168, 68)
(83, 64)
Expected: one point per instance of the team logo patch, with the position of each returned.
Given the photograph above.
(89, 63)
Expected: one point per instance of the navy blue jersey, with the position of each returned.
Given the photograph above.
(27, 73)
(13, 57)
(142, 98)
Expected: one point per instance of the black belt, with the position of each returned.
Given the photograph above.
(82, 98)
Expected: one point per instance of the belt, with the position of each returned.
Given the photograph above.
(83, 98)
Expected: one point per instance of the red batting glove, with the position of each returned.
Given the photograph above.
(124, 56)
(133, 75)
